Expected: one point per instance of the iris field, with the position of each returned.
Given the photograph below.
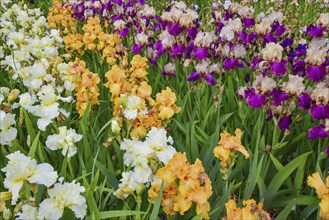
(136, 109)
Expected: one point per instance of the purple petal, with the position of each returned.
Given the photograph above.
(249, 22)
(320, 112)
(255, 100)
(136, 49)
(192, 32)
(284, 122)
(315, 31)
(278, 97)
(316, 73)
(279, 68)
(174, 29)
(304, 101)
(318, 132)
(178, 50)
(229, 63)
(201, 53)
(209, 79)
(193, 77)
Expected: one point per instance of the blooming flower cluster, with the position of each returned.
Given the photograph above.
(144, 158)
(21, 169)
(93, 38)
(130, 93)
(252, 210)
(322, 190)
(86, 84)
(184, 184)
(226, 147)
(30, 54)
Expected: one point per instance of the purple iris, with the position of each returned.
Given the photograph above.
(229, 63)
(178, 50)
(136, 48)
(279, 68)
(201, 53)
(278, 97)
(269, 38)
(174, 29)
(318, 132)
(192, 32)
(315, 31)
(124, 32)
(193, 77)
(284, 122)
(316, 73)
(287, 42)
(319, 112)
(327, 150)
(249, 22)
(304, 101)
(299, 67)
(253, 99)
(209, 79)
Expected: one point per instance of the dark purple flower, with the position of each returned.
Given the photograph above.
(319, 112)
(209, 79)
(284, 122)
(279, 68)
(192, 32)
(287, 42)
(228, 15)
(248, 22)
(316, 73)
(269, 38)
(193, 77)
(220, 25)
(327, 150)
(280, 30)
(153, 62)
(243, 36)
(252, 37)
(124, 32)
(255, 62)
(315, 31)
(201, 53)
(253, 99)
(178, 50)
(299, 67)
(136, 48)
(118, 2)
(174, 29)
(318, 132)
(304, 101)
(229, 63)
(278, 97)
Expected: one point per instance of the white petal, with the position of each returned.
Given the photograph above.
(49, 210)
(45, 175)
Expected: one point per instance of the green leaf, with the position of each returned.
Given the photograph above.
(282, 175)
(285, 212)
(34, 146)
(119, 213)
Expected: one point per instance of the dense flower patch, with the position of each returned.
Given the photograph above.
(113, 108)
